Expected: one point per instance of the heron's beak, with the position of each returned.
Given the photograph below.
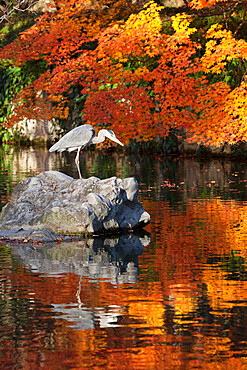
(117, 141)
(111, 136)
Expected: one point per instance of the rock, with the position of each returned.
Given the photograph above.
(36, 236)
(40, 130)
(189, 148)
(215, 150)
(227, 149)
(57, 202)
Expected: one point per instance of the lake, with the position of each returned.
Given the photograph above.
(171, 297)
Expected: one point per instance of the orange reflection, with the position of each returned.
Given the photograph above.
(179, 315)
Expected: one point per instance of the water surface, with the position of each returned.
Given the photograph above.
(173, 297)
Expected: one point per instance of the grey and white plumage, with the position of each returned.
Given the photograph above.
(79, 138)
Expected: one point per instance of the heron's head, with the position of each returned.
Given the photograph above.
(110, 134)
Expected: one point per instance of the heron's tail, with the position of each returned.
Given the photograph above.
(57, 147)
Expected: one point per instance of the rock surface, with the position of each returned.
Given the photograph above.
(32, 236)
(40, 130)
(55, 201)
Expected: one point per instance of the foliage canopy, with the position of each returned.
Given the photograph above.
(121, 68)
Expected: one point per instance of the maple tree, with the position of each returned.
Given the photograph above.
(125, 72)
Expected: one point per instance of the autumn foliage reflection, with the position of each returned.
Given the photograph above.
(189, 292)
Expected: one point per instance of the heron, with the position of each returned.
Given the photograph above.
(79, 138)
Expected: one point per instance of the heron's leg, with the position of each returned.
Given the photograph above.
(77, 162)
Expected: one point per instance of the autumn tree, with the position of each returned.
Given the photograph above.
(132, 73)
(57, 39)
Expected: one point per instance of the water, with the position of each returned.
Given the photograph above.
(173, 297)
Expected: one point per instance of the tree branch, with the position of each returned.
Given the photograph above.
(9, 8)
(243, 21)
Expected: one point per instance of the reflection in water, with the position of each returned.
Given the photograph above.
(99, 258)
(175, 301)
(113, 260)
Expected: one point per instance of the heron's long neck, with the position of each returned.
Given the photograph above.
(98, 139)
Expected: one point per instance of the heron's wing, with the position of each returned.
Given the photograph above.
(80, 136)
